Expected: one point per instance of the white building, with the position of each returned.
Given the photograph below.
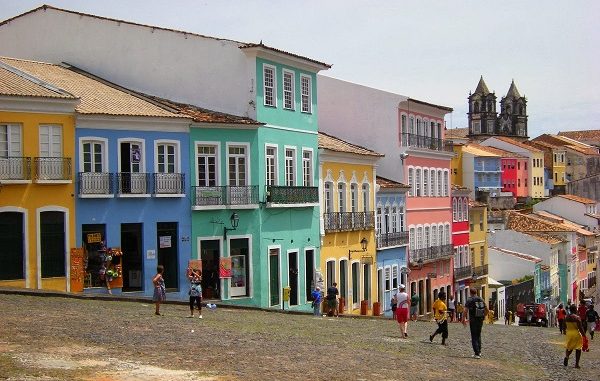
(580, 210)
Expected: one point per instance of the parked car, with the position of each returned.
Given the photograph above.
(532, 314)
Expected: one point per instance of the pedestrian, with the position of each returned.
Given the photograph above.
(441, 318)
(574, 336)
(414, 305)
(159, 289)
(507, 317)
(592, 320)
(195, 292)
(451, 307)
(561, 314)
(582, 312)
(475, 312)
(402, 305)
(332, 294)
(460, 310)
(393, 306)
(490, 316)
(316, 303)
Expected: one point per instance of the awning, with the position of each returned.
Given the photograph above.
(493, 283)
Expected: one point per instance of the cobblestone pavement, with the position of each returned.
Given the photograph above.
(54, 338)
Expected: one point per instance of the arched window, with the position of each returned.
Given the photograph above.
(447, 234)
(401, 217)
(328, 197)
(394, 219)
(434, 240)
(455, 211)
(411, 238)
(476, 107)
(411, 181)
(425, 182)
(379, 221)
(446, 183)
(427, 237)
(419, 243)
(440, 182)
(418, 183)
(440, 234)
(341, 197)
(433, 182)
(386, 220)
(366, 197)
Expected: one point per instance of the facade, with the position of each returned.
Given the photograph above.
(481, 171)
(555, 161)
(534, 166)
(348, 242)
(580, 210)
(392, 239)
(485, 121)
(463, 269)
(478, 248)
(37, 210)
(582, 160)
(590, 137)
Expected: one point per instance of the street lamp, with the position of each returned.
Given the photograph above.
(235, 221)
(363, 245)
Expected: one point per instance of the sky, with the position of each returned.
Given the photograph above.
(429, 50)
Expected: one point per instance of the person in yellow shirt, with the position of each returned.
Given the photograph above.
(440, 317)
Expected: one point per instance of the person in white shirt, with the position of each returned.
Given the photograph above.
(402, 307)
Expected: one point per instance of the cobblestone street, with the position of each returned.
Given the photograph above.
(53, 338)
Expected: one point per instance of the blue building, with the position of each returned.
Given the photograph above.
(392, 240)
(482, 170)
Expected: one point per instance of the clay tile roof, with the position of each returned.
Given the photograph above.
(479, 150)
(581, 200)
(389, 184)
(457, 133)
(545, 238)
(530, 223)
(585, 135)
(14, 82)
(96, 97)
(517, 143)
(263, 46)
(500, 152)
(335, 144)
(476, 204)
(567, 142)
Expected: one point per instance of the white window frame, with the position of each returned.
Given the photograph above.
(432, 184)
(177, 155)
(394, 219)
(290, 166)
(51, 150)
(274, 157)
(291, 93)
(328, 197)
(305, 96)
(12, 129)
(387, 283)
(426, 182)
(440, 183)
(418, 182)
(307, 167)
(93, 140)
(246, 156)
(142, 144)
(411, 237)
(411, 181)
(366, 197)
(273, 87)
(341, 193)
(217, 147)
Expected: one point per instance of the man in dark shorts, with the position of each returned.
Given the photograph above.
(475, 311)
(332, 293)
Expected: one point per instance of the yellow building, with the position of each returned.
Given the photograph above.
(478, 247)
(348, 247)
(37, 137)
(456, 175)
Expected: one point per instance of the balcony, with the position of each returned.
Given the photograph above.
(218, 196)
(392, 239)
(463, 272)
(169, 184)
(418, 141)
(133, 184)
(53, 169)
(95, 184)
(480, 271)
(428, 254)
(348, 221)
(292, 195)
(15, 169)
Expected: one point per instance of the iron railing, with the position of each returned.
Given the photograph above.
(53, 168)
(169, 183)
(15, 168)
(348, 221)
(225, 195)
(463, 272)
(419, 141)
(95, 183)
(480, 270)
(292, 194)
(392, 239)
(133, 183)
(431, 254)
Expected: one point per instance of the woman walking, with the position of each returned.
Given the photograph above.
(441, 318)
(403, 304)
(195, 293)
(574, 336)
(159, 289)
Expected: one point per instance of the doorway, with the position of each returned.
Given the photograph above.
(166, 241)
(131, 246)
(93, 237)
(293, 277)
(367, 283)
(344, 282)
(12, 260)
(428, 294)
(309, 273)
(421, 297)
(52, 244)
(239, 251)
(355, 284)
(210, 254)
(274, 277)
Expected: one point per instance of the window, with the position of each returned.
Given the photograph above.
(354, 197)
(427, 237)
(445, 184)
(394, 277)
(386, 219)
(411, 181)
(328, 197)
(387, 278)
(50, 141)
(447, 234)
(440, 235)
(482, 255)
(433, 191)
(365, 194)
(307, 168)
(434, 237)
(481, 222)
(379, 221)
(418, 183)
(207, 165)
(341, 197)
(476, 126)
(525, 163)
(411, 125)
(411, 238)
(426, 182)
(403, 124)
(271, 165)
(166, 158)
(518, 165)
(419, 129)
(419, 237)
(269, 86)
(454, 209)
(10, 140)
(93, 156)
(439, 183)
(394, 219)
(305, 82)
(401, 217)
(290, 167)
(288, 90)
(237, 163)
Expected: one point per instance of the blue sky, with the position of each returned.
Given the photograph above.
(430, 50)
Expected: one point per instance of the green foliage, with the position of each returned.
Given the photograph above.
(523, 279)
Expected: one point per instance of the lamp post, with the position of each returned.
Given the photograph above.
(235, 221)
(363, 244)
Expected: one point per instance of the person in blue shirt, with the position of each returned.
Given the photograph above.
(316, 304)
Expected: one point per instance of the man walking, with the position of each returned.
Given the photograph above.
(475, 311)
(332, 293)
(414, 305)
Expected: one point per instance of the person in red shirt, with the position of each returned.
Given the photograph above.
(561, 314)
(582, 312)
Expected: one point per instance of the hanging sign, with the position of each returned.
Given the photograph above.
(94, 237)
(225, 267)
(164, 241)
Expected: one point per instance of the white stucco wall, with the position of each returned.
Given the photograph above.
(571, 210)
(364, 116)
(208, 72)
(504, 266)
(468, 172)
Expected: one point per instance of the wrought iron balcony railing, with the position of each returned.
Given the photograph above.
(412, 140)
(132, 183)
(463, 272)
(480, 270)
(348, 221)
(428, 254)
(95, 183)
(169, 183)
(225, 195)
(292, 194)
(53, 168)
(15, 168)
(392, 239)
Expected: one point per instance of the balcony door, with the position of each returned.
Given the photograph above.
(133, 180)
(12, 165)
(50, 164)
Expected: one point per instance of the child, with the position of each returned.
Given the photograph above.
(159, 289)
(195, 277)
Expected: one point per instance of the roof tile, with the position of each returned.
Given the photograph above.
(335, 144)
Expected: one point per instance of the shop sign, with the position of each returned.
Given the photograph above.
(94, 238)
(431, 275)
(225, 267)
(195, 264)
(164, 241)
